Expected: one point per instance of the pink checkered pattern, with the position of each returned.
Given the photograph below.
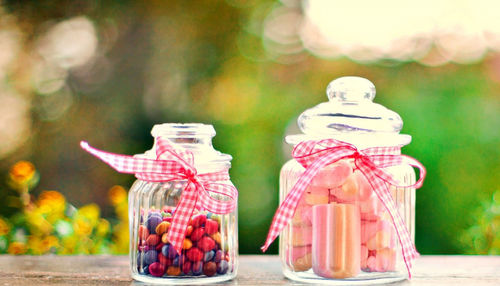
(314, 155)
(174, 164)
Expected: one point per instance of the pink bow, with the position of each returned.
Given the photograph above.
(174, 164)
(314, 155)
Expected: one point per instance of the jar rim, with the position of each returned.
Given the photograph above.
(360, 140)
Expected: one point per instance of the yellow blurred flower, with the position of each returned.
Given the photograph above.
(49, 242)
(69, 244)
(91, 212)
(17, 248)
(103, 227)
(52, 204)
(4, 227)
(82, 226)
(117, 195)
(22, 172)
(37, 223)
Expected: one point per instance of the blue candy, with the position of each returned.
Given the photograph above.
(209, 255)
(150, 257)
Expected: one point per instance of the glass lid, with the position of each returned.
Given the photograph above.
(196, 137)
(351, 115)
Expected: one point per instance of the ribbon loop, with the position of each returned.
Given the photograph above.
(314, 155)
(177, 164)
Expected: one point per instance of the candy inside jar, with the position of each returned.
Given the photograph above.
(204, 251)
(355, 196)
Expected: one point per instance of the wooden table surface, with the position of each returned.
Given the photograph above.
(253, 270)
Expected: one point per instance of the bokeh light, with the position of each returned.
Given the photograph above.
(107, 71)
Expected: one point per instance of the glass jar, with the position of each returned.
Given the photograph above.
(341, 233)
(210, 246)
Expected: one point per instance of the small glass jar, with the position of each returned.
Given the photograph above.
(341, 233)
(210, 247)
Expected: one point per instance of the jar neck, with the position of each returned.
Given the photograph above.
(195, 137)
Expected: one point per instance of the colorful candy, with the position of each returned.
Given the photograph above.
(202, 252)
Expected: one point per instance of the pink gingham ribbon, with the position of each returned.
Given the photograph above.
(314, 155)
(174, 164)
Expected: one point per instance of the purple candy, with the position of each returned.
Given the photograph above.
(169, 251)
(179, 260)
(222, 267)
(153, 222)
(218, 256)
(197, 268)
(209, 255)
(150, 257)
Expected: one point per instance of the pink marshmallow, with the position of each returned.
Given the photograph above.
(384, 260)
(372, 208)
(302, 216)
(382, 239)
(299, 258)
(332, 175)
(365, 189)
(370, 228)
(364, 256)
(301, 235)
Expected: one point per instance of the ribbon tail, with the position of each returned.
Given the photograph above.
(379, 186)
(416, 164)
(182, 215)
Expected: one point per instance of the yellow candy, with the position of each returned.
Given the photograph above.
(216, 237)
(164, 238)
(162, 227)
(187, 244)
(173, 271)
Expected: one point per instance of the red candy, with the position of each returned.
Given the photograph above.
(194, 254)
(197, 234)
(159, 246)
(156, 269)
(186, 267)
(206, 244)
(211, 226)
(198, 220)
(164, 260)
(143, 232)
(152, 239)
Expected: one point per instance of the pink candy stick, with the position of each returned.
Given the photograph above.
(336, 240)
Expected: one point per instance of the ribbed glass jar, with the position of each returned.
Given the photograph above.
(210, 248)
(341, 233)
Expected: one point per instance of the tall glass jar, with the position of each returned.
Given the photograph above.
(210, 246)
(341, 233)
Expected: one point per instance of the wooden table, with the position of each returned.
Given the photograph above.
(253, 270)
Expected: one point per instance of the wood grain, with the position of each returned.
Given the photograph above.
(253, 270)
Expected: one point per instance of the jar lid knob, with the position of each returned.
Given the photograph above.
(350, 89)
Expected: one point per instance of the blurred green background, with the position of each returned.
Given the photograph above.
(107, 71)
